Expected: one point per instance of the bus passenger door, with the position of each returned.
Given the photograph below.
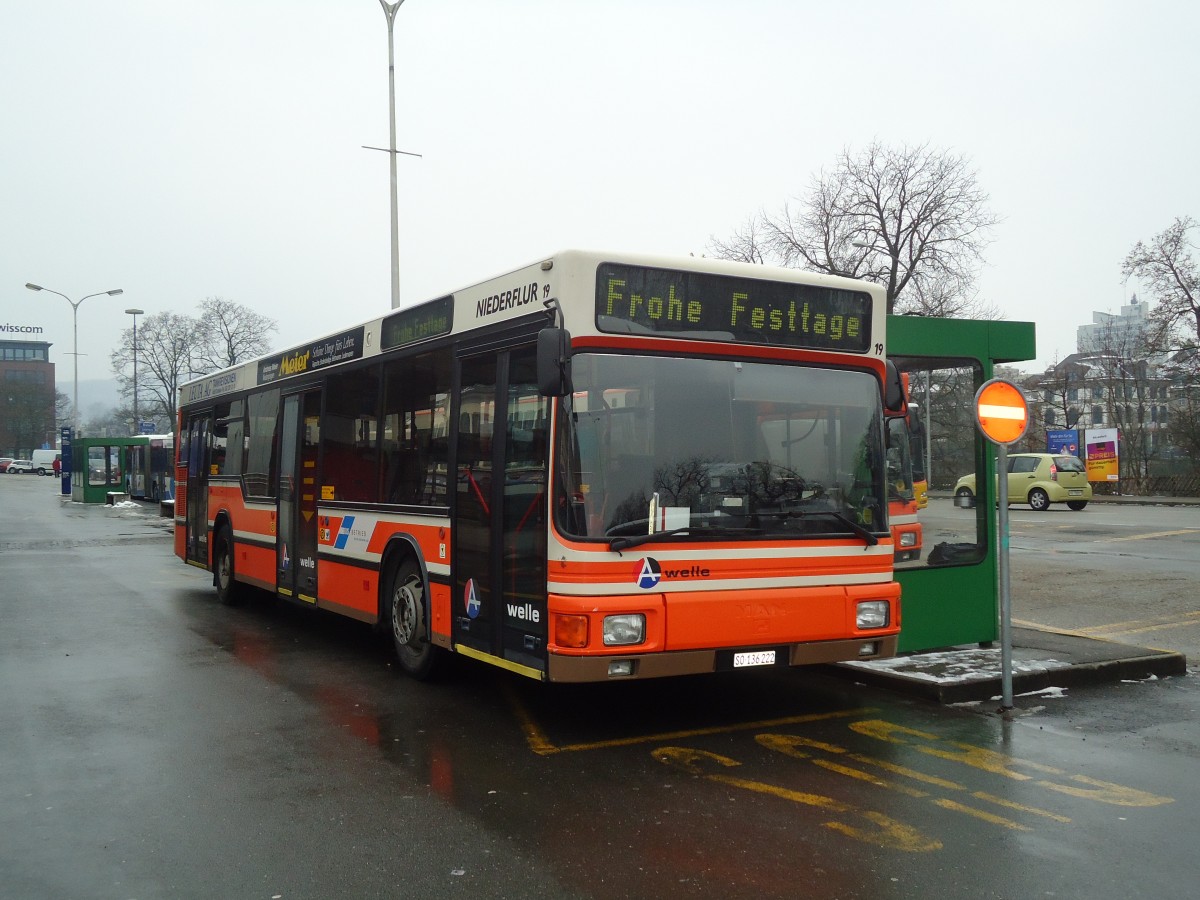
(500, 507)
(296, 547)
(197, 437)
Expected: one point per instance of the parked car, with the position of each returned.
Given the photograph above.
(4, 461)
(21, 467)
(1040, 479)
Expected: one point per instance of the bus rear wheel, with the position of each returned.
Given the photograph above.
(229, 591)
(406, 612)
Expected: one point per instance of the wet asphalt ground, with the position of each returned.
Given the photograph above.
(156, 744)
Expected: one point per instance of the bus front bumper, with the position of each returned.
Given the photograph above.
(695, 662)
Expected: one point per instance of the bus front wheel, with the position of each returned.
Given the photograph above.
(406, 612)
(228, 589)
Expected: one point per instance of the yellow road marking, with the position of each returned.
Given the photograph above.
(851, 772)
(1148, 536)
(886, 831)
(540, 744)
(946, 803)
(1019, 807)
(999, 764)
(1188, 619)
(1136, 626)
(797, 747)
(1116, 629)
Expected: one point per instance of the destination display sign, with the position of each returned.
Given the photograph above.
(417, 323)
(702, 306)
(313, 357)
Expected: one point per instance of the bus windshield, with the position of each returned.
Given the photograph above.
(694, 448)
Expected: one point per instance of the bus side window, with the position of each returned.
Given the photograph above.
(259, 470)
(414, 429)
(349, 435)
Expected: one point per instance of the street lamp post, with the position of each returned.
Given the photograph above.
(137, 423)
(75, 304)
(389, 10)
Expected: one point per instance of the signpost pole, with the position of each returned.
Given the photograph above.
(1003, 418)
(1002, 538)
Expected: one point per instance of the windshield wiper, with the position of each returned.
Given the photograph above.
(624, 543)
(861, 531)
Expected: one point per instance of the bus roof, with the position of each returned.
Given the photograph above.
(571, 277)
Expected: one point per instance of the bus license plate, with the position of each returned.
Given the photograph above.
(757, 658)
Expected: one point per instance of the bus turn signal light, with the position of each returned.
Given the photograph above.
(571, 631)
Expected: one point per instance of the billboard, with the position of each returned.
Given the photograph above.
(1064, 441)
(1103, 456)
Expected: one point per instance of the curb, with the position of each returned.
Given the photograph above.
(1041, 660)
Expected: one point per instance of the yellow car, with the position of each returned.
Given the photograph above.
(1039, 479)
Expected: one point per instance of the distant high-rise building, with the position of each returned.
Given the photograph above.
(1109, 333)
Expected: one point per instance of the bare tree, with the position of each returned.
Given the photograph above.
(229, 333)
(949, 398)
(947, 298)
(62, 409)
(1134, 396)
(1167, 269)
(174, 348)
(912, 219)
(166, 352)
(1184, 428)
(747, 243)
(1061, 386)
(26, 422)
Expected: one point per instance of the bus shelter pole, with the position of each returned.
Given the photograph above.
(1002, 568)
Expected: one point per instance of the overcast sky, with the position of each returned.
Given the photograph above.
(214, 149)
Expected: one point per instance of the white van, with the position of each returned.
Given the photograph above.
(43, 461)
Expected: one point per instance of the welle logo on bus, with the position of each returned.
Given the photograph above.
(724, 308)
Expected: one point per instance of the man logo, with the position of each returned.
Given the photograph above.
(650, 574)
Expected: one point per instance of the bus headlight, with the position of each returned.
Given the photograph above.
(872, 614)
(624, 629)
(908, 539)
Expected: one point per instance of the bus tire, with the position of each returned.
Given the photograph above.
(229, 590)
(405, 612)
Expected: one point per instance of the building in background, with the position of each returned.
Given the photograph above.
(1111, 382)
(1109, 332)
(27, 395)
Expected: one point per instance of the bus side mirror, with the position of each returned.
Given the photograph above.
(554, 362)
(895, 397)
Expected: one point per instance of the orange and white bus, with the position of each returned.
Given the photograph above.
(903, 506)
(904, 494)
(595, 467)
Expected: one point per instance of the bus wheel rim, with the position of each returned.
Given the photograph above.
(224, 566)
(406, 605)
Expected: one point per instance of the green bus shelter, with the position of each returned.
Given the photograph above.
(950, 595)
(101, 466)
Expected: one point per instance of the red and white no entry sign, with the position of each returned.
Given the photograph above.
(1001, 411)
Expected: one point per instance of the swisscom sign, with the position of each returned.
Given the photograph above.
(5, 327)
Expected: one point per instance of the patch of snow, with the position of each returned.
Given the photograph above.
(973, 664)
(1049, 692)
